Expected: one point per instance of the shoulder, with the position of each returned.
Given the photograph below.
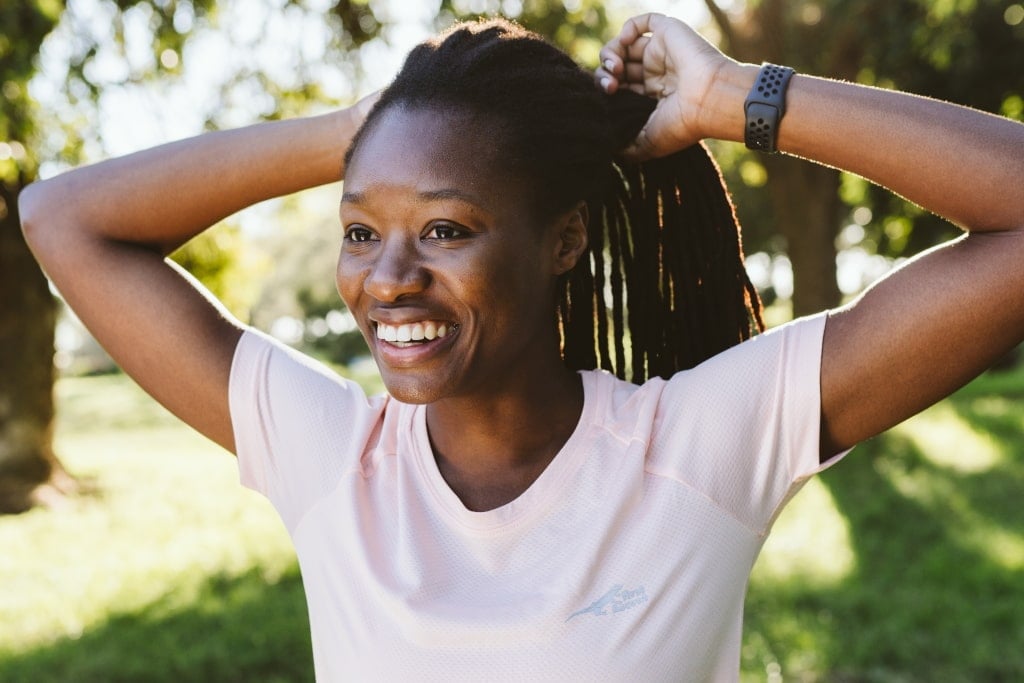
(260, 356)
(791, 352)
(296, 419)
(749, 371)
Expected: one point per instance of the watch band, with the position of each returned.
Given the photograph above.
(765, 106)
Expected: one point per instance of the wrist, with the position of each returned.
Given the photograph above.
(722, 112)
(765, 106)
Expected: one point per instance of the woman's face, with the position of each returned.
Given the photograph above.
(448, 273)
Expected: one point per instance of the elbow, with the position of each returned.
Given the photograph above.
(39, 210)
(31, 204)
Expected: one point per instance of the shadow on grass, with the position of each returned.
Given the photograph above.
(933, 597)
(238, 628)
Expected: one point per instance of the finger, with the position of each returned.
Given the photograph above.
(362, 107)
(640, 149)
(635, 50)
(629, 44)
(634, 73)
(637, 26)
(606, 81)
(614, 56)
(610, 62)
(613, 50)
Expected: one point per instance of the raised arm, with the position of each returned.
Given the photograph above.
(101, 234)
(927, 328)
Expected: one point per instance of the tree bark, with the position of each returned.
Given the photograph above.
(807, 209)
(30, 473)
(804, 197)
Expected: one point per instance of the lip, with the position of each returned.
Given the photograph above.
(399, 357)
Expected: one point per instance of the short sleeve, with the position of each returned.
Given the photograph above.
(743, 427)
(298, 426)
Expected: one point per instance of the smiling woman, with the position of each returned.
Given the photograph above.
(518, 241)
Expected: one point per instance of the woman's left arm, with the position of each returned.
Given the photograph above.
(930, 326)
(942, 318)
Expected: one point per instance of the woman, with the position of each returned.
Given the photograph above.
(501, 516)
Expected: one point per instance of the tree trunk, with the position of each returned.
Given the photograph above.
(30, 473)
(804, 196)
(806, 204)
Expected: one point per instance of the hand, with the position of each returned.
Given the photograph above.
(358, 112)
(664, 58)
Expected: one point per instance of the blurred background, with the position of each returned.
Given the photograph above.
(127, 549)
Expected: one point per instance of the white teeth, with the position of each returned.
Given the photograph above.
(427, 330)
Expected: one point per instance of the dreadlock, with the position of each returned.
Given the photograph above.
(664, 275)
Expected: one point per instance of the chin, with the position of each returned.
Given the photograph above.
(412, 390)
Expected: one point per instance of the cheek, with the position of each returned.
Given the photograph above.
(518, 281)
(347, 280)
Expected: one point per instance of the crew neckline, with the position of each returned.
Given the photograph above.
(548, 487)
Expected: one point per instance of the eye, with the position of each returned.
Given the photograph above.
(357, 233)
(445, 231)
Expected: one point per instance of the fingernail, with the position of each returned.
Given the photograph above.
(609, 64)
(605, 83)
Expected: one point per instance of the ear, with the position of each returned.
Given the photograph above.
(571, 238)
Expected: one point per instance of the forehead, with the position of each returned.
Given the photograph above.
(427, 150)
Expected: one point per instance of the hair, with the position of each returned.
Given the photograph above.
(664, 273)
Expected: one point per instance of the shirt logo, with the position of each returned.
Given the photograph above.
(618, 599)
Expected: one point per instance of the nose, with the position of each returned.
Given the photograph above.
(397, 271)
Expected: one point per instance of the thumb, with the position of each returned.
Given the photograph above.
(642, 148)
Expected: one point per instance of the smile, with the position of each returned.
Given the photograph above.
(408, 334)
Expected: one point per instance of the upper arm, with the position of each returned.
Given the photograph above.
(156, 322)
(919, 334)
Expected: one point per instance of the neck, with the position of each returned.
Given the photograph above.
(491, 447)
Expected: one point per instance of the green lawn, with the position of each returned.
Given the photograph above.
(904, 563)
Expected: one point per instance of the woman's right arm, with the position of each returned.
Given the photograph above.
(102, 233)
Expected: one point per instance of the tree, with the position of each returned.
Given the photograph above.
(970, 51)
(30, 472)
(580, 28)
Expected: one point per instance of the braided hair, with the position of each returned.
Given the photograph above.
(663, 286)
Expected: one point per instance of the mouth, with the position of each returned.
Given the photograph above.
(415, 333)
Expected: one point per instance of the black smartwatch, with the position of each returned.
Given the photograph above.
(765, 107)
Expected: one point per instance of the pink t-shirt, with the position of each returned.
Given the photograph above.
(627, 559)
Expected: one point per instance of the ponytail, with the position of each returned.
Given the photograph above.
(665, 249)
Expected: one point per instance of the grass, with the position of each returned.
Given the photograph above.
(906, 561)
(903, 563)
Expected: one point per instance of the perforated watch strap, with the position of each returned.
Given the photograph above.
(765, 106)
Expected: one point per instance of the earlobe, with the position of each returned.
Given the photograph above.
(572, 238)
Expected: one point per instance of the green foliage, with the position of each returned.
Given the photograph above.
(333, 345)
(23, 26)
(930, 517)
(928, 513)
(240, 628)
(580, 28)
(161, 572)
(967, 51)
(227, 264)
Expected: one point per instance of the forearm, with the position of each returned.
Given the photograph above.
(162, 197)
(960, 163)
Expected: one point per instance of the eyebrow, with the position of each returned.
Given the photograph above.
(428, 195)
